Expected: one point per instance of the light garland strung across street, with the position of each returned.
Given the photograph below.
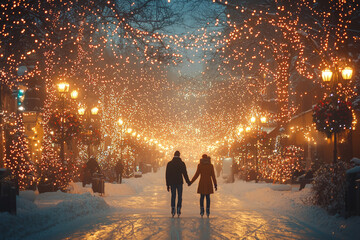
(128, 66)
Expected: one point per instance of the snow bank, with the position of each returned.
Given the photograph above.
(291, 203)
(281, 187)
(36, 213)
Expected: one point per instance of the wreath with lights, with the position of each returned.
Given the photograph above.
(70, 123)
(332, 115)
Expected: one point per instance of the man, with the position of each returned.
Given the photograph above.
(175, 170)
(89, 169)
(119, 168)
(93, 166)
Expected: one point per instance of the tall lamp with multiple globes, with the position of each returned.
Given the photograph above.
(334, 77)
(88, 116)
(63, 89)
(121, 124)
(257, 121)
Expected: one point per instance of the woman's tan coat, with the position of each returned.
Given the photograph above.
(206, 171)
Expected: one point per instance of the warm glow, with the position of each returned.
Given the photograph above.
(326, 75)
(120, 122)
(252, 119)
(74, 94)
(129, 130)
(63, 87)
(247, 129)
(81, 111)
(263, 119)
(94, 111)
(346, 73)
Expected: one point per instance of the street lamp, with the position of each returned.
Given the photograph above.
(81, 111)
(257, 121)
(334, 77)
(121, 124)
(63, 89)
(88, 116)
(74, 94)
(94, 111)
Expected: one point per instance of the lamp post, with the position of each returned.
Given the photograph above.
(63, 89)
(88, 116)
(121, 124)
(334, 77)
(257, 121)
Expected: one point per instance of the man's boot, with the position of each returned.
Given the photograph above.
(173, 211)
(201, 211)
(178, 211)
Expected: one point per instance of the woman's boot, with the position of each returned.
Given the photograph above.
(201, 211)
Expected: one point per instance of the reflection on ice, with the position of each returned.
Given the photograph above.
(232, 225)
(145, 214)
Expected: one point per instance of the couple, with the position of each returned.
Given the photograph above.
(176, 169)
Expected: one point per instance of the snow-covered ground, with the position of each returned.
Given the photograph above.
(139, 209)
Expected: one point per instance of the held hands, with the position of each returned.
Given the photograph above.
(189, 184)
(215, 187)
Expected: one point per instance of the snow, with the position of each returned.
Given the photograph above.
(353, 170)
(356, 161)
(139, 209)
(38, 212)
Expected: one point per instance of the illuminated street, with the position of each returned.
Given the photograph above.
(239, 211)
(104, 103)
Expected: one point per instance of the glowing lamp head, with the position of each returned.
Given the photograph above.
(240, 130)
(263, 119)
(129, 130)
(81, 111)
(252, 119)
(74, 94)
(346, 73)
(94, 111)
(326, 75)
(247, 129)
(120, 122)
(63, 87)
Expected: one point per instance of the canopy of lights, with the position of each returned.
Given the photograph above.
(180, 75)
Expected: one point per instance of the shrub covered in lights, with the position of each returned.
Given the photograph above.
(329, 187)
(332, 115)
(17, 155)
(70, 123)
(283, 164)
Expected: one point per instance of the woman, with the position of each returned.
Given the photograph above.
(206, 171)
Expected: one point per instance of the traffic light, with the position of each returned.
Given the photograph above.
(20, 99)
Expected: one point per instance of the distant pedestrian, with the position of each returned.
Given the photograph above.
(306, 179)
(175, 171)
(207, 177)
(218, 169)
(91, 167)
(119, 168)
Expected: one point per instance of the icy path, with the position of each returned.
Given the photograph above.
(140, 210)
